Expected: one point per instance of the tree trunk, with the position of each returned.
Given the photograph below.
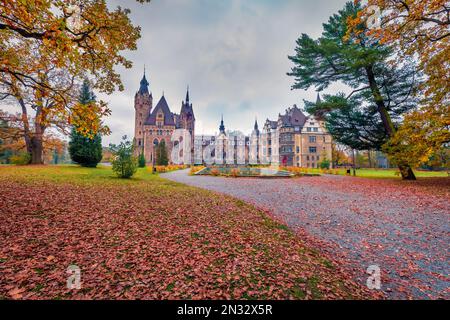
(354, 162)
(405, 170)
(36, 150)
(369, 156)
(26, 125)
(407, 173)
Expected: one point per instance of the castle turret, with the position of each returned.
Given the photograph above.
(143, 102)
(222, 127)
(187, 120)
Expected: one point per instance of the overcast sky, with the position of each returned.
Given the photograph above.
(231, 53)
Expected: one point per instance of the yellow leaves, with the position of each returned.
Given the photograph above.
(423, 134)
(86, 118)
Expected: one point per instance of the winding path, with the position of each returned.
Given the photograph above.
(401, 227)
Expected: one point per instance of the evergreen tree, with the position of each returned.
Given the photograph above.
(124, 163)
(83, 150)
(141, 160)
(382, 92)
(161, 154)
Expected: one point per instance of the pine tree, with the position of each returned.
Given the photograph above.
(141, 160)
(124, 163)
(161, 154)
(382, 93)
(83, 150)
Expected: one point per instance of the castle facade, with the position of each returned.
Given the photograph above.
(153, 125)
(294, 139)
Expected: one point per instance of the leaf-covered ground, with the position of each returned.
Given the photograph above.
(149, 238)
(403, 227)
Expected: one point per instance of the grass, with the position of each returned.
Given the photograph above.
(74, 174)
(387, 173)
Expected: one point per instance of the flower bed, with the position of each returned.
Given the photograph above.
(310, 171)
(170, 167)
(252, 172)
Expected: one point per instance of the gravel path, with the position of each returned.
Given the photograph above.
(402, 227)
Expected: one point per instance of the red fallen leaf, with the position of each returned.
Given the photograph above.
(16, 293)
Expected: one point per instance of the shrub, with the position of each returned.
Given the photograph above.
(235, 172)
(141, 161)
(195, 169)
(325, 164)
(215, 172)
(161, 154)
(20, 159)
(124, 163)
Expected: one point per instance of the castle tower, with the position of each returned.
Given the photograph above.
(222, 127)
(187, 120)
(143, 102)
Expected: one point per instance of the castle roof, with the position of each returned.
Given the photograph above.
(186, 106)
(164, 108)
(143, 85)
(293, 117)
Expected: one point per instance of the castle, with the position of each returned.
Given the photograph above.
(153, 125)
(295, 139)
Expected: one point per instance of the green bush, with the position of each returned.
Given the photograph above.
(161, 154)
(21, 158)
(141, 161)
(124, 164)
(325, 164)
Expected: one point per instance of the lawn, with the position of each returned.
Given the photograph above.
(388, 173)
(149, 238)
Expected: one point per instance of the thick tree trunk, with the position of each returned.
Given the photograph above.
(405, 169)
(406, 172)
(36, 150)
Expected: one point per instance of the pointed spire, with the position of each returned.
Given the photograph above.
(222, 126)
(187, 95)
(318, 101)
(256, 124)
(144, 84)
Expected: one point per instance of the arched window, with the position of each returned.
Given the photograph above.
(155, 142)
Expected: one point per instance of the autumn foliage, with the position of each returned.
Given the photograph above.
(47, 48)
(419, 29)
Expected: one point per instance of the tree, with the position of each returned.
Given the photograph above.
(339, 156)
(325, 163)
(141, 161)
(85, 149)
(124, 163)
(423, 135)
(13, 143)
(161, 154)
(416, 27)
(420, 29)
(382, 92)
(47, 47)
